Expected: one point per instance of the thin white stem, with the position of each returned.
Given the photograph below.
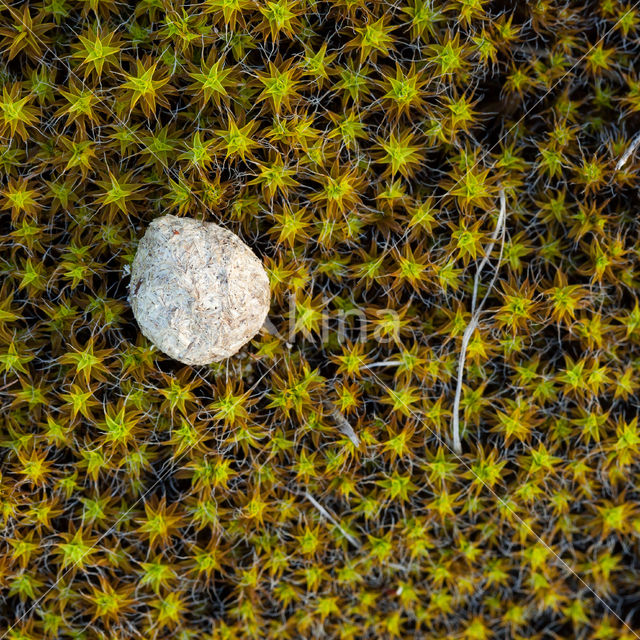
(487, 253)
(342, 423)
(331, 519)
(475, 315)
(629, 152)
(457, 445)
(385, 363)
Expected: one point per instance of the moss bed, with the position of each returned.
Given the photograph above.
(307, 487)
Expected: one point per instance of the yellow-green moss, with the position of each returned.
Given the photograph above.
(360, 148)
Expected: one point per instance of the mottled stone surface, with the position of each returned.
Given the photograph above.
(198, 292)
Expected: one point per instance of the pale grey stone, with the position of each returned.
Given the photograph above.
(197, 291)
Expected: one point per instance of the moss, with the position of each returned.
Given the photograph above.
(360, 148)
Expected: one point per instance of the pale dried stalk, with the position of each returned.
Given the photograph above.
(342, 423)
(331, 519)
(475, 316)
(629, 152)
